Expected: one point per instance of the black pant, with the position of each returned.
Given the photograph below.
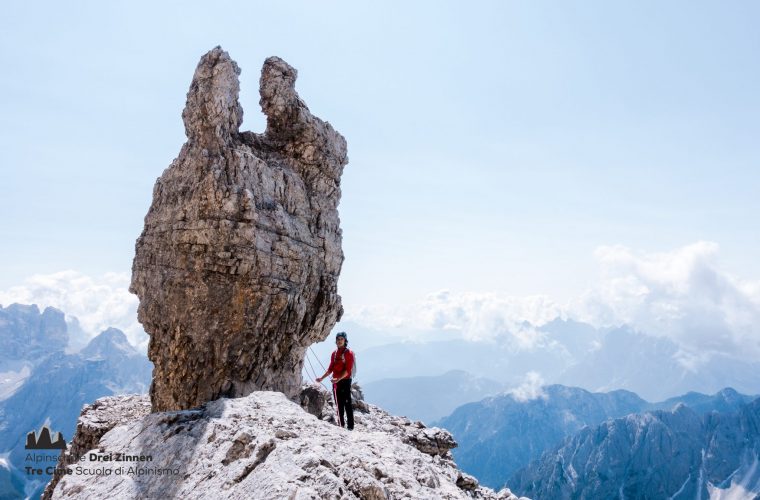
(343, 395)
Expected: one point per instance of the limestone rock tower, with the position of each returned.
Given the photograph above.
(237, 266)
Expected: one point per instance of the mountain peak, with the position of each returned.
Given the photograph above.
(728, 393)
(22, 308)
(31, 335)
(50, 310)
(108, 343)
(113, 335)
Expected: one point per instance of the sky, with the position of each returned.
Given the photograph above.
(542, 154)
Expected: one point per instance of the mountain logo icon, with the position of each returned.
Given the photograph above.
(44, 441)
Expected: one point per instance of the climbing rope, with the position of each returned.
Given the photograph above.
(313, 374)
(335, 396)
(308, 360)
(320, 363)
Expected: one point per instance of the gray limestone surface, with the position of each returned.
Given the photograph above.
(237, 266)
(261, 446)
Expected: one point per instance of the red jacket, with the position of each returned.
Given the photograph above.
(342, 359)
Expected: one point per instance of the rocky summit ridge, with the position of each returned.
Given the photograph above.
(260, 446)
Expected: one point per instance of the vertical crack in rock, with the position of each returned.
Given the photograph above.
(237, 266)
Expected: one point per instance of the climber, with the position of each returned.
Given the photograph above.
(341, 364)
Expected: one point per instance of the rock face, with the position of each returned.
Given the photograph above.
(237, 266)
(432, 441)
(95, 420)
(259, 446)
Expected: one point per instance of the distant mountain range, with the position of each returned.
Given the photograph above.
(500, 435)
(44, 385)
(562, 351)
(678, 453)
(522, 441)
(27, 337)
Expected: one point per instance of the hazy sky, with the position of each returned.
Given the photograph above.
(493, 146)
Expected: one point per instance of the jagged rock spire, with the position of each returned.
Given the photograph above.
(212, 114)
(237, 266)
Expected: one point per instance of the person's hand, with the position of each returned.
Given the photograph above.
(319, 380)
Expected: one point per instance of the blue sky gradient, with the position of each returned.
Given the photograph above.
(493, 146)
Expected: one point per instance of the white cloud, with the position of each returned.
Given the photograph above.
(96, 302)
(472, 316)
(682, 295)
(530, 389)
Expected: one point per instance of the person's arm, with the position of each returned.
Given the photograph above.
(324, 376)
